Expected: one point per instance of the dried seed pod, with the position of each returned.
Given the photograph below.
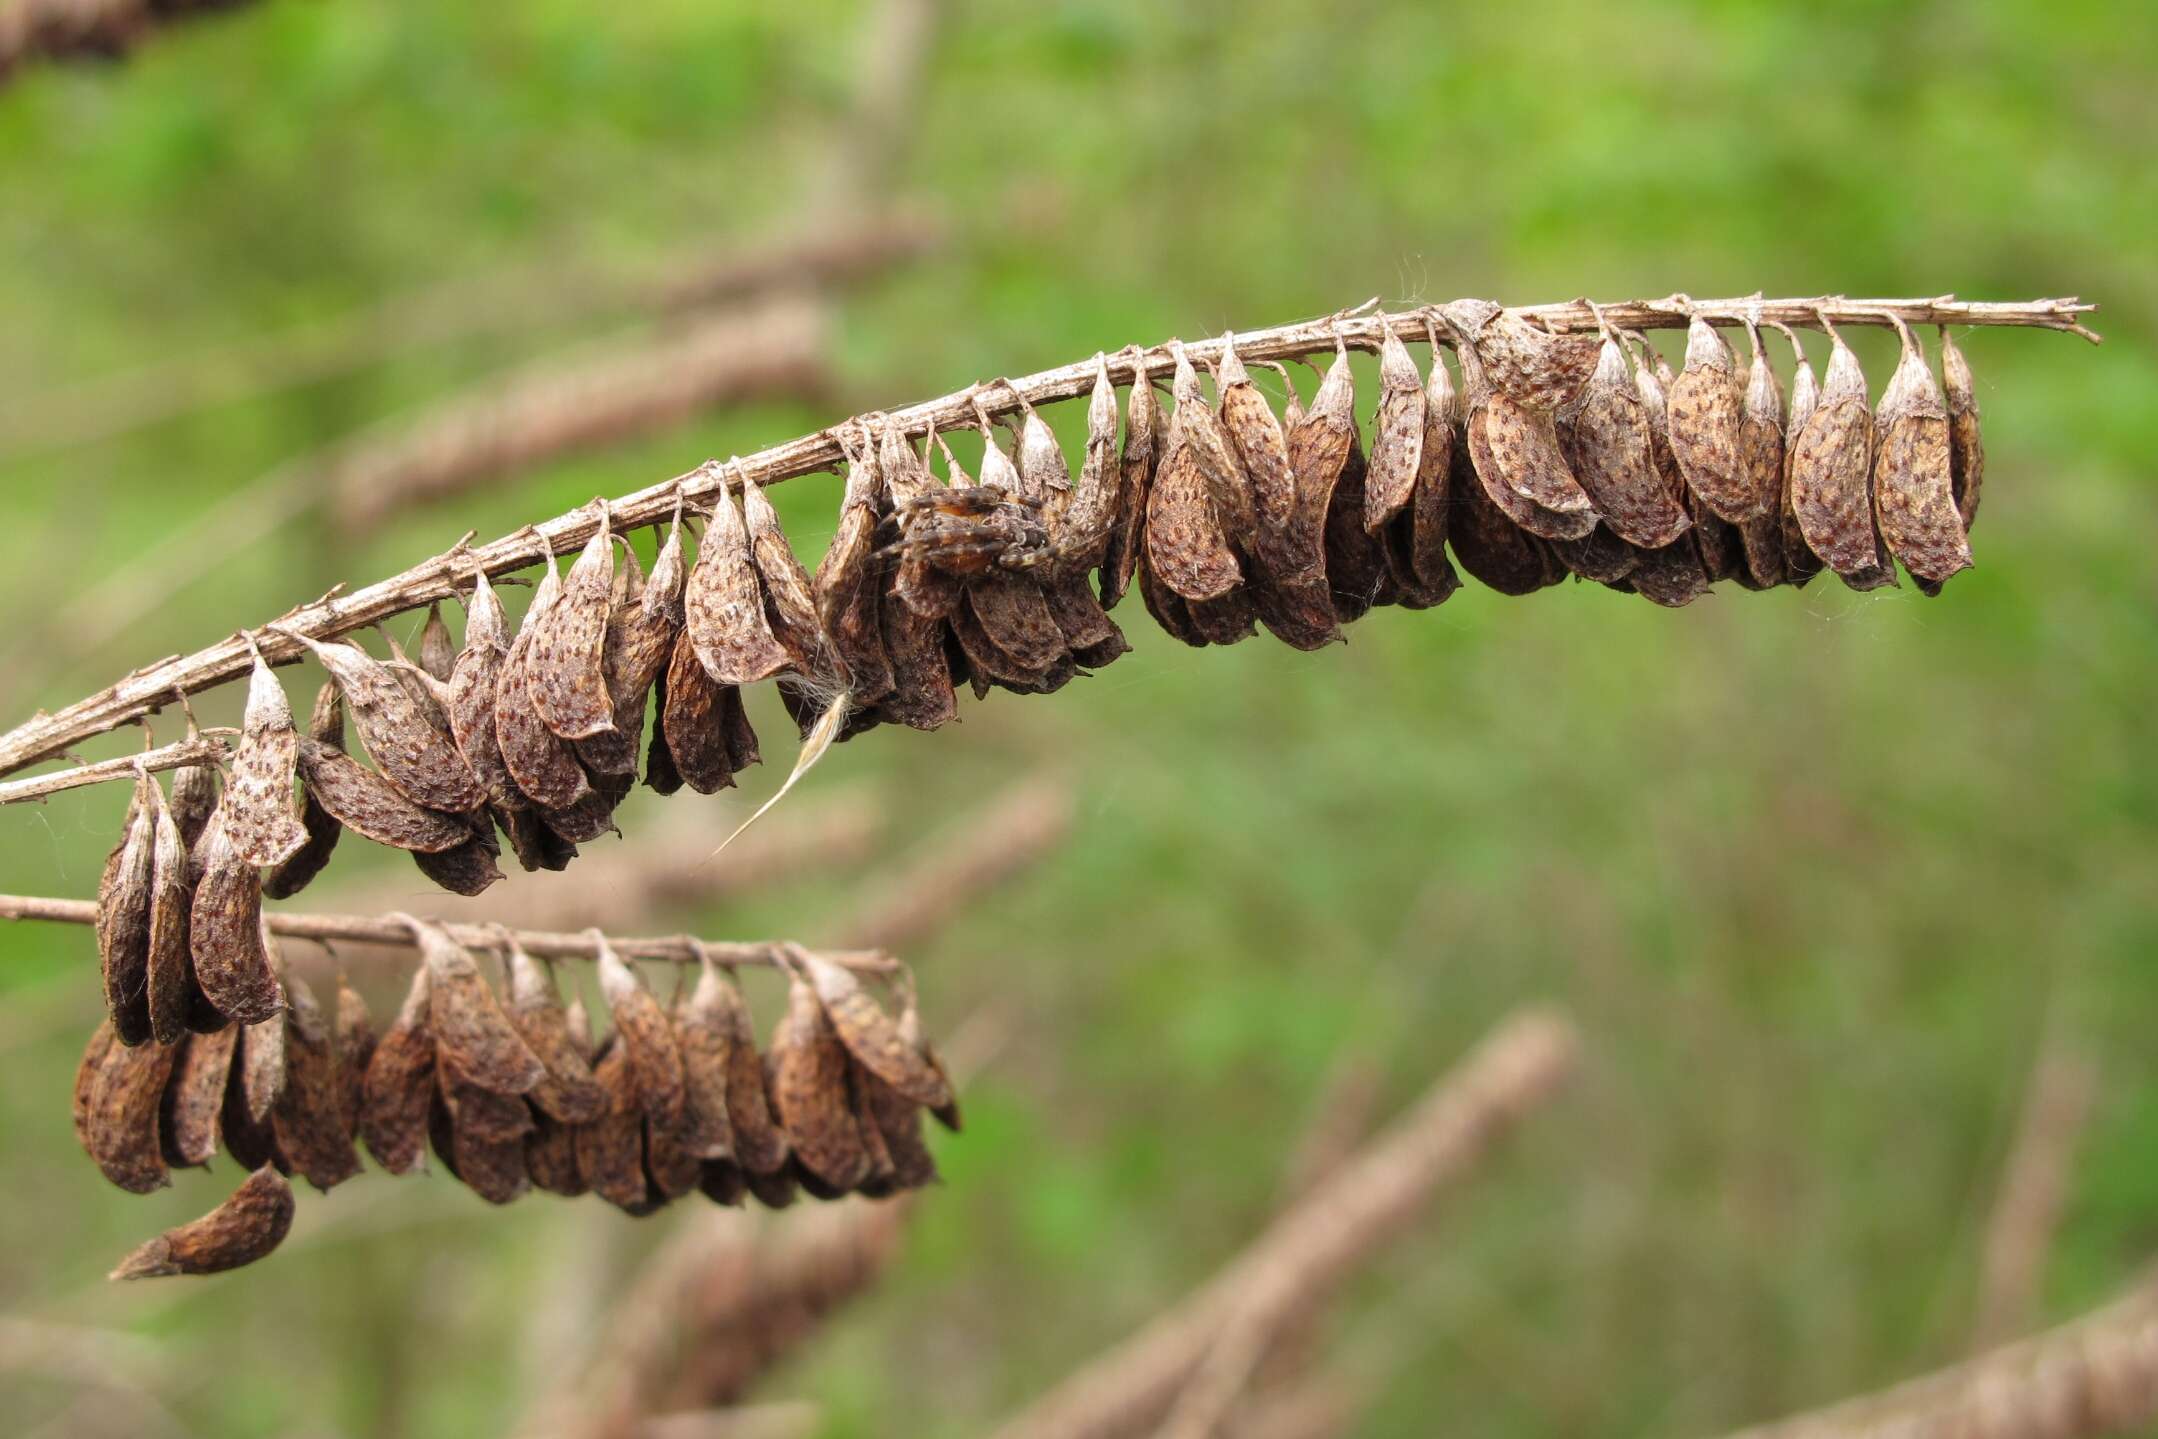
(194, 800)
(775, 1190)
(1092, 637)
(251, 1223)
(551, 1147)
(124, 894)
(355, 1030)
(326, 727)
(118, 1113)
(882, 1179)
(1166, 606)
(921, 696)
(1185, 545)
(400, 1083)
(480, 1138)
(225, 933)
(1671, 576)
(911, 1031)
(592, 816)
(1225, 621)
(1800, 563)
(1703, 416)
(723, 1182)
(1514, 449)
(309, 1119)
(1135, 481)
(610, 1149)
(169, 978)
(474, 1040)
(102, 1042)
(1357, 576)
(1966, 445)
(1914, 474)
(568, 1092)
(1831, 475)
(252, 1090)
(871, 1035)
(438, 652)
(1416, 550)
(1261, 449)
(847, 591)
(898, 1125)
(258, 799)
(1723, 555)
(760, 1145)
(704, 1034)
(400, 736)
(537, 847)
(1602, 556)
(1494, 551)
(1525, 362)
(1397, 441)
(692, 714)
(565, 668)
(195, 1096)
(465, 869)
(1012, 614)
(1083, 526)
(669, 1167)
(541, 764)
(1295, 600)
(368, 804)
(1609, 448)
(475, 682)
(1227, 491)
(725, 604)
(642, 1028)
(789, 595)
(809, 1088)
(1760, 460)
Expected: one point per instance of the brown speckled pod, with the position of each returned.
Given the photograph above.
(1671, 576)
(1168, 609)
(1966, 446)
(921, 696)
(1914, 494)
(703, 1032)
(692, 726)
(1514, 449)
(1522, 360)
(251, 1223)
(1609, 448)
(639, 639)
(475, 1042)
(809, 1089)
(1227, 490)
(669, 1167)
(355, 1029)
(309, 1119)
(1397, 438)
(466, 869)
(610, 1149)
(1185, 544)
(541, 764)
(258, 796)
(776, 1190)
(1416, 544)
(1083, 526)
(363, 801)
(724, 604)
(1357, 577)
(123, 917)
(1143, 433)
(251, 1093)
(551, 1147)
(790, 603)
(400, 1084)
(195, 1096)
(723, 1182)
(1298, 600)
(326, 727)
(1831, 476)
(400, 736)
(1492, 548)
(760, 1146)
(565, 668)
(1092, 637)
(1703, 415)
(474, 685)
(438, 652)
(898, 1122)
(119, 1093)
(847, 588)
(1261, 448)
(480, 1138)
(882, 1179)
(194, 800)
(568, 1092)
(642, 1028)
(1760, 459)
(1602, 556)
(871, 1035)
(225, 934)
(1800, 563)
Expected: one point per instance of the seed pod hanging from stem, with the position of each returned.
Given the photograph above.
(1914, 473)
(250, 1224)
(565, 667)
(1967, 448)
(258, 797)
(123, 917)
(1831, 475)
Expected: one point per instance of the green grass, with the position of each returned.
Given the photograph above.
(1812, 870)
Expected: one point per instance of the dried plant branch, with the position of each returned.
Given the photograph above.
(562, 290)
(543, 943)
(1006, 837)
(201, 748)
(2034, 1183)
(339, 612)
(88, 29)
(1308, 1251)
(2094, 1375)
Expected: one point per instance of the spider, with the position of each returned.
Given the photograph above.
(968, 531)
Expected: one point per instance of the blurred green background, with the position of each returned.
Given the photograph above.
(1816, 872)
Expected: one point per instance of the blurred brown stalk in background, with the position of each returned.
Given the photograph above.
(87, 29)
(2034, 1183)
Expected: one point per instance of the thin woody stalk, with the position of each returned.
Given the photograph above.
(338, 613)
(543, 944)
